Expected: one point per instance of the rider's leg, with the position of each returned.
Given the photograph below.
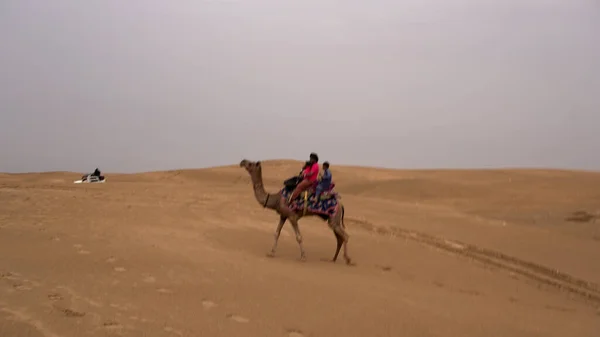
(302, 186)
(318, 191)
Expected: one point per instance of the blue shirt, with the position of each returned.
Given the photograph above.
(326, 179)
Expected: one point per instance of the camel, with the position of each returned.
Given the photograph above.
(277, 203)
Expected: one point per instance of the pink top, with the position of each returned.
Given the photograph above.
(312, 173)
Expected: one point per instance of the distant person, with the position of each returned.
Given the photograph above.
(96, 173)
(325, 181)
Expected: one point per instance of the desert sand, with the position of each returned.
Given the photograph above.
(183, 253)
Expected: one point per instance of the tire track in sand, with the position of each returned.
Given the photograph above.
(586, 290)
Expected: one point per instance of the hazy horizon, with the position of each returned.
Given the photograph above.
(155, 85)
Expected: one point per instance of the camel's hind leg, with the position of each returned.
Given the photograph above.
(341, 232)
(340, 241)
(282, 220)
(338, 227)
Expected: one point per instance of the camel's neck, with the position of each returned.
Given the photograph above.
(263, 198)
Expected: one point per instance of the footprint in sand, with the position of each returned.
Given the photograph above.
(20, 286)
(295, 333)
(112, 325)
(208, 304)
(238, 319)
(80, 249)
(55, 297)
(10, 275)
(111, 259)
(439, 284)
(119, 269)
(70, 312)
(384, 267)
(19, 283)
(172, 331)
(149, 279)
(164, 291)
(122, 308)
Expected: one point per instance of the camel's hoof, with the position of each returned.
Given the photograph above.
(302, 259)
(328, 260)
(350, 262)
(270, 254)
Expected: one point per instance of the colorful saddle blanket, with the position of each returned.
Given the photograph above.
(325, 205)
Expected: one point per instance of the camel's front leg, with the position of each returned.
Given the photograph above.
(282, 220)
(294, 221)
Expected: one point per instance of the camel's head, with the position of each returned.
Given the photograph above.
(251, 167)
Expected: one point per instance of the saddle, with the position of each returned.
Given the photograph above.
(291, 183)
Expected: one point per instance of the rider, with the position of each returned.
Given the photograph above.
(306, 165)
(309, 174)
(324, 182)
(96, 173)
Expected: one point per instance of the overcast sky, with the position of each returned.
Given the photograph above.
(144, 85)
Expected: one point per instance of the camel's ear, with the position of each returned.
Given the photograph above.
(258, 163)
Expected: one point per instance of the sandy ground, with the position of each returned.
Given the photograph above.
(182, 253)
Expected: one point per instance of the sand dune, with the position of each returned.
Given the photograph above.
(182, 253)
